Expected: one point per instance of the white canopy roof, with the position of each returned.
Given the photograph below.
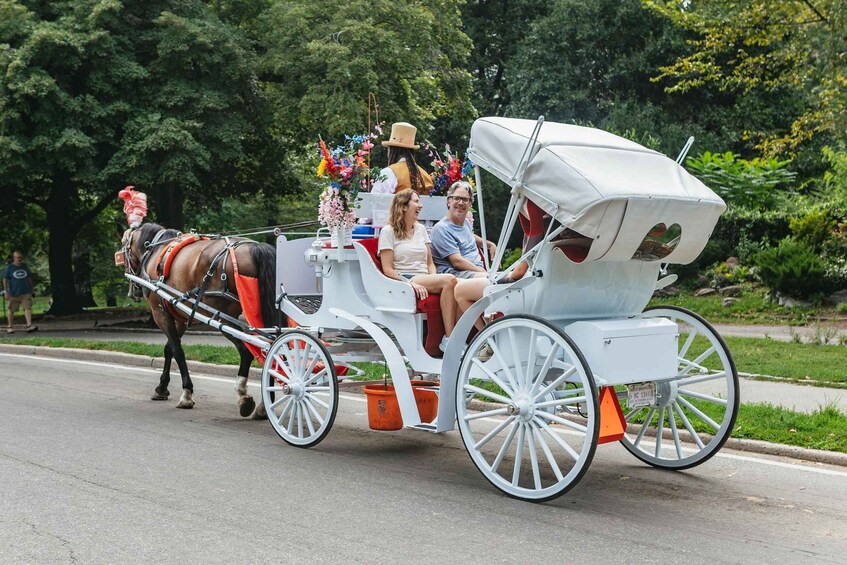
(603, 186)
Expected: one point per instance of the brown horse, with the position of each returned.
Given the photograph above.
(205, 268)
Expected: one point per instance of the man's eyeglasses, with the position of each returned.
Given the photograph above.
(461, 199)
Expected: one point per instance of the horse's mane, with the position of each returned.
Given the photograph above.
(147, 232)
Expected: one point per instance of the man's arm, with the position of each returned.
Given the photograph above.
(489, 245)
(461, 264)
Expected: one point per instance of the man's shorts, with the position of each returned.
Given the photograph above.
(462, 274)
(16, 301)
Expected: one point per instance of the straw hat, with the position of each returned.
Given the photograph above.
(402, 135)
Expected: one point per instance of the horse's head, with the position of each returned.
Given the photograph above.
(135, 248)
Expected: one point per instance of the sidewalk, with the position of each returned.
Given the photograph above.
(801, 398)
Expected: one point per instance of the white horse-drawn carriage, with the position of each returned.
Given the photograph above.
(570, 357)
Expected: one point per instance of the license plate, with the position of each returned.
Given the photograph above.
(119, 258)
(641, 395)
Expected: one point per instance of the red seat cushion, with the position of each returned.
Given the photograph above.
(431, 305)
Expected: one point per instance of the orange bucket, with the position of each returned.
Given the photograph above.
(384, 410)
(427, 400)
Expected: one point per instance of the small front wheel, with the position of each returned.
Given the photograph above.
(527, 408)
(300, 388)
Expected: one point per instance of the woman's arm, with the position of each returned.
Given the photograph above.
(386, 257)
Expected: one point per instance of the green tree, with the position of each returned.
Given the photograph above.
(767, 46)
(323, 58)
(592, 63)
(497, 28)
(95, 94)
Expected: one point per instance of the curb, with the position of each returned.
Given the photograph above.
(748, 445)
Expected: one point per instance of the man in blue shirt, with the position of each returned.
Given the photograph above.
(17, 286)
(455, 248)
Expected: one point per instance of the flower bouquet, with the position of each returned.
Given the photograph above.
(348, 171)
(447, 168)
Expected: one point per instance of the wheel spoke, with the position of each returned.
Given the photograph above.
(478, 445)
(315, 377)
(315, 359)
(688, 426)
(561, 378)
(684, 350)
(520, 374)
(675, 433)
(546, 449)
(487, 394)
(516, 470)
(317, 400)
(701, 378)
(562, 443)
(488, 414)
(701, 396)
(561, 401)
(660, 425)
(545, 368)
(644, 427)
(563, 421)
(505, 447)
(533, 456)
(530, 358)
(314, 411)
(286, 412)
(499, 357)
(279, 376)
(279, 401)
(307, 417)
(632, 414)
(697, 362)
(493, 376)
(698, 413)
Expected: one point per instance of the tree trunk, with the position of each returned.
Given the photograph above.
(169, 209)
(60, 245)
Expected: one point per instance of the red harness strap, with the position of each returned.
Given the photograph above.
(168, 254)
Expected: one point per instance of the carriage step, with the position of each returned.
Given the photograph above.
(424, 427)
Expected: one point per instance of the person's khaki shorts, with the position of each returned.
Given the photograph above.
(16, 301)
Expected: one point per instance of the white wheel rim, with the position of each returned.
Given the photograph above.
(305, 395)
(700, 417)
(529, 442)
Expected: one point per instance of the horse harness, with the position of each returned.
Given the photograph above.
(166, 257)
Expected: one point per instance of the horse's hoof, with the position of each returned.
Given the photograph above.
(158, 396)
(187, 405)
(247, 406)
(260, 414)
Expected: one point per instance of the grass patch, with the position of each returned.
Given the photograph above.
(223, 355)
(801, 362)
(825, 428)
(752, 307)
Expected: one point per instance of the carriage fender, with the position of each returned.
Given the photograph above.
(453, 355)
(395, 363)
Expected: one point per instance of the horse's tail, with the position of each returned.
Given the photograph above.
(264, 257)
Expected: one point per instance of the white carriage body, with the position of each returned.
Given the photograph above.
(604, 187)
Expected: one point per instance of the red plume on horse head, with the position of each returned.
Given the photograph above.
(135, 206)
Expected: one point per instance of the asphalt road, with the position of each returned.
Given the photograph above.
(91, 471)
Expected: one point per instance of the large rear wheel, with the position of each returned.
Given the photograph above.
(527, 408)
(694, 413)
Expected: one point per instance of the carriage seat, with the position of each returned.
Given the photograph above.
(431, 305)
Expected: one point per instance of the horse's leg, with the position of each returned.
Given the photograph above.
(162, 392)
(246, 404)
(186, 400)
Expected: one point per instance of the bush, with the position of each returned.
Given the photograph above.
(814, 228)
(792, 269)
(754, 184)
